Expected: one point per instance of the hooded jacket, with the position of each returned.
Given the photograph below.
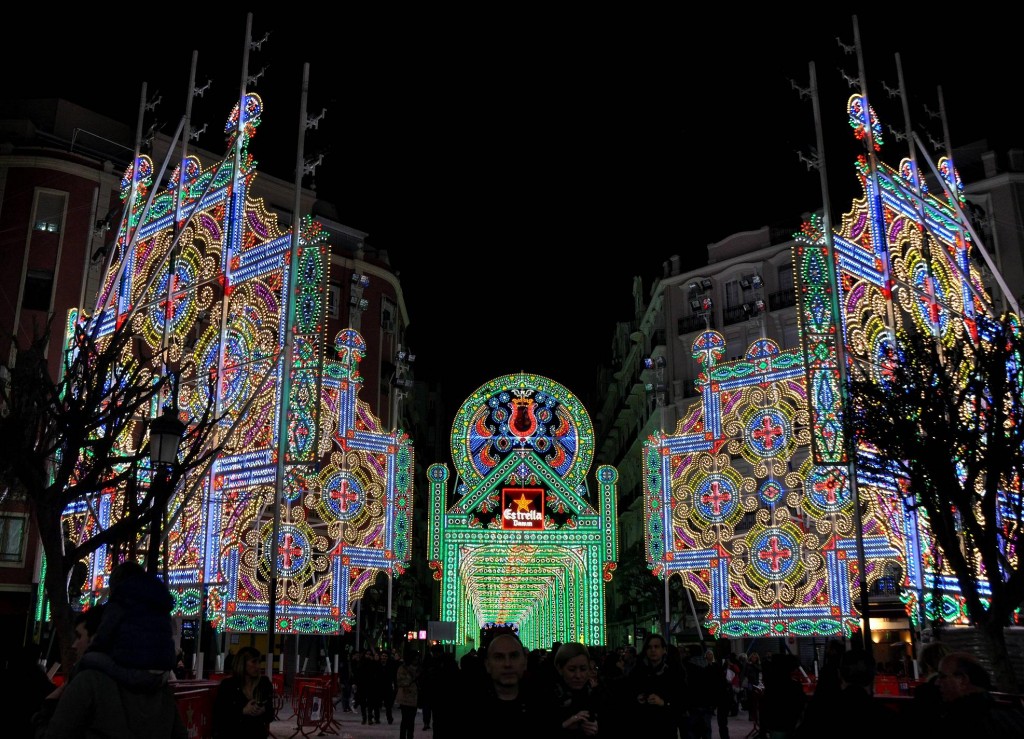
(121, 687)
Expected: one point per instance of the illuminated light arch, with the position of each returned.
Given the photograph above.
(521, 544)
(347, 502)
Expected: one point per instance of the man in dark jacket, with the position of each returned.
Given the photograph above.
(502, 705)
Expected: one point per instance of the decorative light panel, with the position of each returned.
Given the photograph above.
(205, 281)
(750, 499)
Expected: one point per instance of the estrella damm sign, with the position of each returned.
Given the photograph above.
(522, 509)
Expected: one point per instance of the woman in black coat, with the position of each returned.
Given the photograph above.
(244, 706)
(654, 692)
(573, 705)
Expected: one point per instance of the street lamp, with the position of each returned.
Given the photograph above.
(165, 434)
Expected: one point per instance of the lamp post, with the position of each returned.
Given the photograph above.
(165, 434)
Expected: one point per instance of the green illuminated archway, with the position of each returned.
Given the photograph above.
(520, 541)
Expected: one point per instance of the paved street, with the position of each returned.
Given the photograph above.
(350, 727)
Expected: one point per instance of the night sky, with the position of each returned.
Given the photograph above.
(521, 169)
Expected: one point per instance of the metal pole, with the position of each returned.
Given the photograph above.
(668, 609)
(936, 331)
(286, 362)
(841, 362)
(390, 580)
(696, 618)
(160, 484)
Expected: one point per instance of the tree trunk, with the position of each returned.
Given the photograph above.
(56, 585)
(986, 642)
(994, 644)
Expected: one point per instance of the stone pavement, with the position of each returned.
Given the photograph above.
(740, 727)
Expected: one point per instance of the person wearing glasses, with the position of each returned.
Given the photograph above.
(969, 707)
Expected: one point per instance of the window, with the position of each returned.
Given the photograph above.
(12, 539)
(786, 277)
(733, 294)
(388, 313)
(49, 211)
(38, 290)
(334, 301)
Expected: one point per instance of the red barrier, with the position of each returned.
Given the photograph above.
(195, 703)
(301, 680)
(887, 685)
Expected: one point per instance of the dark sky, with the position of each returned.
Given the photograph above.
(521, 169)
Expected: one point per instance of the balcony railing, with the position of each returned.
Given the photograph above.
(689, 324)
(734, 315)
(782, 299)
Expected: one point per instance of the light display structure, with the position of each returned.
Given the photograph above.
(521, 545)
(204, 273)
(750, 499)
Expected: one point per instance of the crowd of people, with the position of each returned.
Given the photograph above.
(664, 692)
(126, 658)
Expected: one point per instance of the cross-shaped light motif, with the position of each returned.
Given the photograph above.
(288, 550)
(768, 432)
(170, 307)
(716, 498)
(829, 488)
(343, 495)
(775, 553)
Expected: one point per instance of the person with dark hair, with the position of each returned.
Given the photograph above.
(407, 694)
(24, 688)
(121, 688)
(654, 691)
(429, 683)
(827, 685)
(387, 687)
(969, 708)
(368, 681)
(825, 701)
(244, 706)
(927, 706)
(447, 685)
(86, 625)
(853, 712)
(752, 685)
(782, 701)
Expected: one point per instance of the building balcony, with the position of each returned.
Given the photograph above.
(782, 299)
(736, 314)
(690, 324)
